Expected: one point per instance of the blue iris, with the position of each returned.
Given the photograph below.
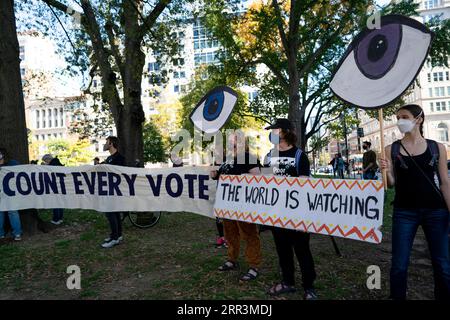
(213, 106)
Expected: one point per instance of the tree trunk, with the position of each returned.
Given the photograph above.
(13, 132)
(130, 125)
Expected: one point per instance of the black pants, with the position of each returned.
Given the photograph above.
(287, 242)
(115, 223)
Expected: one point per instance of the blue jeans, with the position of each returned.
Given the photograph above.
(369, 175)
(14, 220)
(57, 214)
(434, 223)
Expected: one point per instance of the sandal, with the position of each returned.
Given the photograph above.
(228, 265)
(251, 274)
(281, 288)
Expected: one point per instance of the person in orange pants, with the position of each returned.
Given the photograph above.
(234, 232)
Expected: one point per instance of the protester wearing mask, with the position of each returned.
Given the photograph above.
(369, 162)
(289, 161)
(235, 231)
(114, 218)
(58, 214)
(13, 215)
(417, 168)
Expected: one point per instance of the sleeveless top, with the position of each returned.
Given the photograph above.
(412, 189)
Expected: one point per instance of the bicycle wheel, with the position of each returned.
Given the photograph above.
(144, 220)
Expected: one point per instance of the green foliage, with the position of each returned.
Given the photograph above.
(71, 153)
(154, 149)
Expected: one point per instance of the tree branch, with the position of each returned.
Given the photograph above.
(150, 20)
(279, 21)
(326, 44)
(114, 48)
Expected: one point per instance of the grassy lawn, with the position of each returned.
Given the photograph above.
(177, 259)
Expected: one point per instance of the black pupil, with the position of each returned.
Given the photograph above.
(377, 47)
(212, 108)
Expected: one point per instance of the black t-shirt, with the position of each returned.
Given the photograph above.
(285, 163)
(239, 166)
(116, 159)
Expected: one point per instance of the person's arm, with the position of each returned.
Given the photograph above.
(443, 174)
(256, 171)
(387, 164)
(304, 169)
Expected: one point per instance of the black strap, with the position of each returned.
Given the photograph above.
(423, 173)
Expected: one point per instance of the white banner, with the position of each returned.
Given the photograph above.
(107, 188)
(343, 208)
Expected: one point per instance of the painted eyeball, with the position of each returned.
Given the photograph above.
(214, 109)
(380, 64)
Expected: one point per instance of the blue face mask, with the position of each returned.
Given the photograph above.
(274, 138)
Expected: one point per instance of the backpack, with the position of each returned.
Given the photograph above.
(298, 154)
(432, 146)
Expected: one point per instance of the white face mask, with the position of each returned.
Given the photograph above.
(405, 125)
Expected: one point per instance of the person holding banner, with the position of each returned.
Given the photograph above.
(58, 214)
(417, 168)
(237, 230)
(289, 161)
(13, 215)
(114, 218)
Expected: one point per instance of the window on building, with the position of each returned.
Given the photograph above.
(153, 67)
(431, 106)
(37, 118)
(22, 53)
(430, 4)
(439, 91)
(430, 92)
(441, 106)
(61, 116)
(442, 132)
(183, 75)
(438, 76)
(176, 88)
(42, 137)
(429, 77)
(94, 83)
(447, 75)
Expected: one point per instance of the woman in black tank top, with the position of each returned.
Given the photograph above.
(413, 165)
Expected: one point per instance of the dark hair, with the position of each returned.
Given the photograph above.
(4, 153)
(289, 136)
(114, 141)
(369, 144)
(339, 155)
(416, 111)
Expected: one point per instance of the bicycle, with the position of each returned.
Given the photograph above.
(142, 220)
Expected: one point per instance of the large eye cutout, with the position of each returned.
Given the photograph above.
(380, 64)
(214, 109)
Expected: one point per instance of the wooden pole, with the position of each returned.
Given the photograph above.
(383, 154)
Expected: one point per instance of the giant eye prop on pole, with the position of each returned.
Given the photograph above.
(380, 64)
(214, 109)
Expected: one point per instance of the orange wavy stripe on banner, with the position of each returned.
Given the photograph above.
(337, 185)
(317, 229)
